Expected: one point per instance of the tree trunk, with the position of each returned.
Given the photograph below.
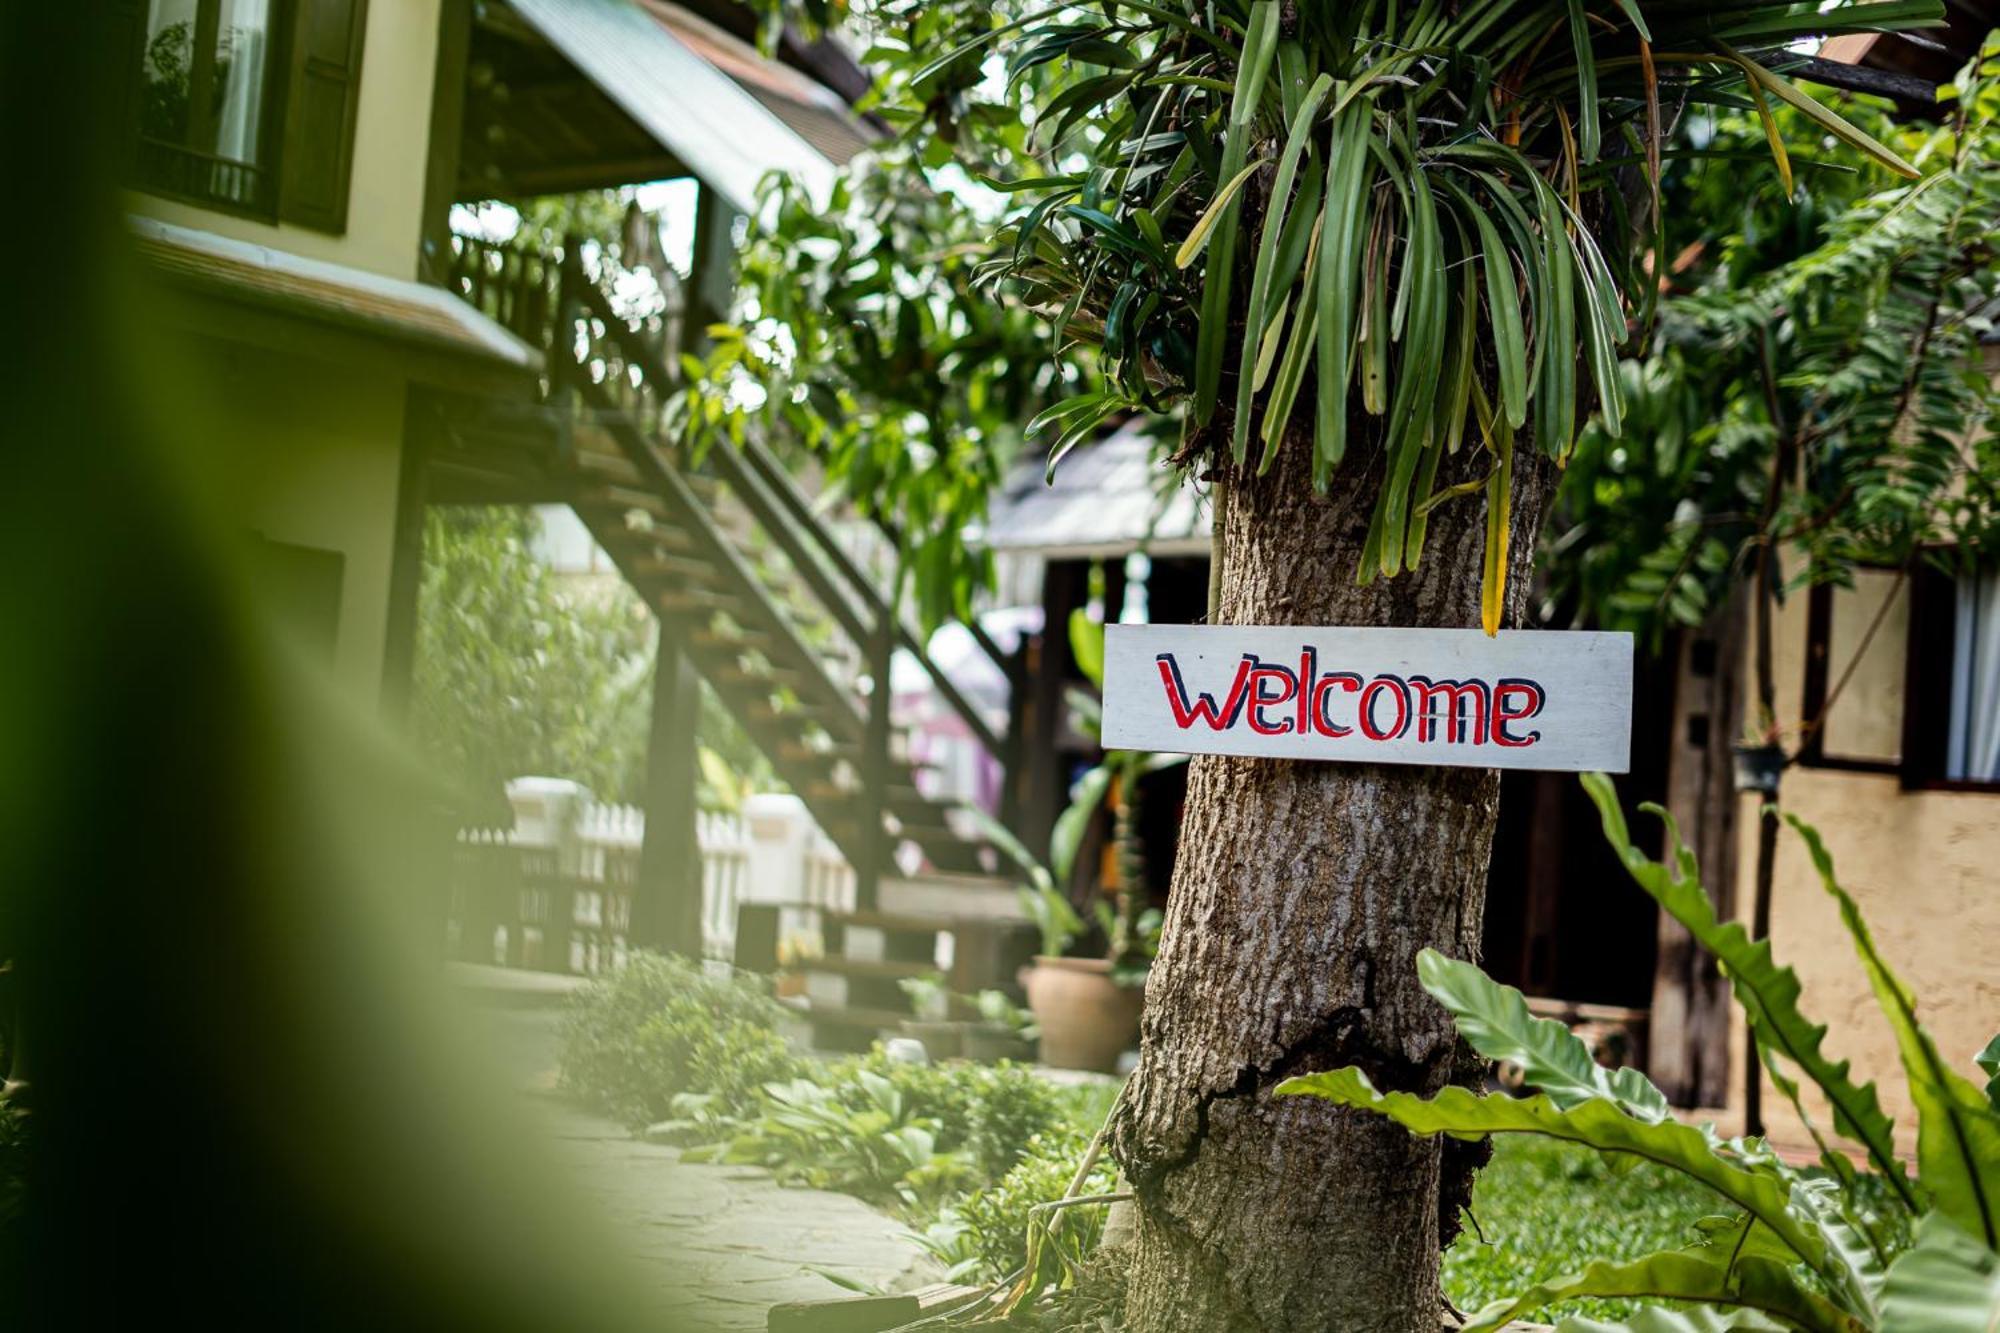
(1301, 895)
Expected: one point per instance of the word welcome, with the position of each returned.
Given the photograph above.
(1275, 700)
(1537, 699)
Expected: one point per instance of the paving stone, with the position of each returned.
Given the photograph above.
(728, 1242)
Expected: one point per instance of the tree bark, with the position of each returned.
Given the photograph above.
(1301, 895)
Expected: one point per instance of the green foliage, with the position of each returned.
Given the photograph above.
(1419, 190)
(517, 674)
(660, 1027)
(1829, 1249)
(521, 672)
(1540, 1204)
(861, 1135)
(1049, 908)
(1263, 214)
(910, 1135)
(863, 340)
(1840, 327)
(984, 1237)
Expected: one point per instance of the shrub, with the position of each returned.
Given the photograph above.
(988, 1111)
(984, 1237)
(859, 1135)
(660, 1027)
(1846, 1247)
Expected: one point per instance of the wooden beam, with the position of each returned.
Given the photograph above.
(1861, 79)
(568, 177)
(447, 138)
(666, 902)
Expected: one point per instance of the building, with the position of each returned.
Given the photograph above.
(294, 166)
(1901, 773)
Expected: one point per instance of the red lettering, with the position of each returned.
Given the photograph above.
(1395, 686)
(1531, 696)
(1259, 700)
(1203, 707)
(1323, 689)
(1427, 694)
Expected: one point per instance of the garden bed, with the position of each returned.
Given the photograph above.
(961, 1152)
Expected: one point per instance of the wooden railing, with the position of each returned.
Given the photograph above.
(630, 361)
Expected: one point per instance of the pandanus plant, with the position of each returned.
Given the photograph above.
(1425, 209)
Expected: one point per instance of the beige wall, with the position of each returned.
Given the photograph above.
(314, 454)
(1924, 867)
(391, 146)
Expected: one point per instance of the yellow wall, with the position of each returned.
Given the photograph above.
(391, 145)
(1923, 865)
(313, 451)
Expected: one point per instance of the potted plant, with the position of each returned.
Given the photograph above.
(1088, 1007)
(1004, 1030)
(1760, 760)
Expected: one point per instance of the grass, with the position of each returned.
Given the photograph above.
(1548, 1208)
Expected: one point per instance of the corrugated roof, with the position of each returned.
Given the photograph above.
(352, 298)
(726, 136)
(1108, 498)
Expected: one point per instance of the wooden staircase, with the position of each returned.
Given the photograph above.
(793, 635)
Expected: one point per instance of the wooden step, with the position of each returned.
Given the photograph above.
(612, 496)
(683, 600)
(885, 969)
(740, 638)
(766, 673)
(939, 893)
(677, 567)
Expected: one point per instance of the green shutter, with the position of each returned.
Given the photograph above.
(320, 100)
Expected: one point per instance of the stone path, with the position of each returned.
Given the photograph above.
(719, 1245)
(722, 1244)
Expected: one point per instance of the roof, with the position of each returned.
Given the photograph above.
(819, 115)
(1109, 498)
(351, 298)
(727, 135)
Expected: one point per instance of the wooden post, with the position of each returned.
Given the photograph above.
(1687, 1048)
(875, 763)
(666, 901)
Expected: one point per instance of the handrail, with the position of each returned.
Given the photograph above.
(765, 480)
(794, 500)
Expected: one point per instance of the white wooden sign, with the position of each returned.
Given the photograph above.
(1542, 699)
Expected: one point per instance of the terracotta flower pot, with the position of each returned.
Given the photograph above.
(1087, 1020)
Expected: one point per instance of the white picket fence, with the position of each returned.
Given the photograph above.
(554, 892)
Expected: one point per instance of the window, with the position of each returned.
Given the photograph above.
(1856, 658)
(246, 105)
(1972, 736)
(205, 101)
(1951, 728)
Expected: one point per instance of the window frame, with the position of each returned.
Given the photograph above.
(1818, 683)
(270, 129)
(1927, 673)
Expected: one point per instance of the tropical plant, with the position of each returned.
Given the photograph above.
(1408, 202)
(1115, 781)
(1852, 1245)
(1055, 918)
(814, 1135)
(1820, 390)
